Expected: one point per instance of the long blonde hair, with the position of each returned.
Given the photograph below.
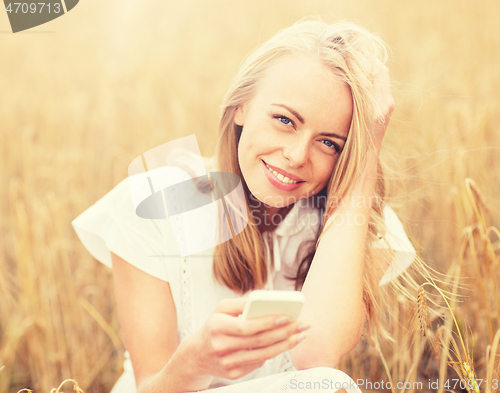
(352, 53)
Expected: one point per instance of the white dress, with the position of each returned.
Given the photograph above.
(111, 224)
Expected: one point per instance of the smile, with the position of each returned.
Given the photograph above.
(274, 178)
(282, 178)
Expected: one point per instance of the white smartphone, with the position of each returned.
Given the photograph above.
(264, 302)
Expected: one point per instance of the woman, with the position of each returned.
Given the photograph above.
(302, 126)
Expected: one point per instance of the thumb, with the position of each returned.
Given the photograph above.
(231, 306)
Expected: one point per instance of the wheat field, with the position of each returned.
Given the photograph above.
(85, 94)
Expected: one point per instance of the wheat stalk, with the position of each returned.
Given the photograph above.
(470, 375)
(478, 200)
(76, 387)
(479, 197)
(422, 309)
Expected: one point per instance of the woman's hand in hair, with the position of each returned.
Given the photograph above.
(385, 103)
(230, 347)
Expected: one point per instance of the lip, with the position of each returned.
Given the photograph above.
(284, 173)
(277, 182)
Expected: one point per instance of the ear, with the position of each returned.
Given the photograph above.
(239, 116)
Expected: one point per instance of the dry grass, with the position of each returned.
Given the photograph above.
(119, 78)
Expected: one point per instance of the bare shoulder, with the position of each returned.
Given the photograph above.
(148, 318)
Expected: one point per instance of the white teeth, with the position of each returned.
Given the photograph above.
(280, 176)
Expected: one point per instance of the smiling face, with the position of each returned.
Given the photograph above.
(297, 124)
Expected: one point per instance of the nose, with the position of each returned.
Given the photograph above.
(296, 152)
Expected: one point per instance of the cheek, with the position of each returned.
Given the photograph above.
(241, 152)
(325, 172)
(325, 178)
(244, 144)
(253, 141)
(258, 129)
(246, 149)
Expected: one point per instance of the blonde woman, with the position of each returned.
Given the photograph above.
(302, 126)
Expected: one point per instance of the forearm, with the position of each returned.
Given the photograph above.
(180, 374)
(334, 284)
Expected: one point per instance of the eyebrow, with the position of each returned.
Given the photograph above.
(301, 119)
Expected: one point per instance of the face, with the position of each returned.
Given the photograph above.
(296, 124)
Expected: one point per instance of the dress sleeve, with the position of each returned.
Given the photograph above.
(111, 224)
(397, 240)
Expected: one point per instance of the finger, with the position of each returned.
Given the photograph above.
(362, 73)
(245, 369)
(267, 337)
(382, 93)
(244, 357)
(247, 327)
(379, 67)
(231, 306)
(382, 80)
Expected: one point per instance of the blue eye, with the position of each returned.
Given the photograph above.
(286, 121)
(332, 145)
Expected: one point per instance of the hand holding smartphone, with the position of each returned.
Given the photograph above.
(265, 302)
(246, 332)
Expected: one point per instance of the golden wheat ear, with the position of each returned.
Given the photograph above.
(470, 377)
(422, 309)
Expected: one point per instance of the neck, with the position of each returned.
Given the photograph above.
(269, 217)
